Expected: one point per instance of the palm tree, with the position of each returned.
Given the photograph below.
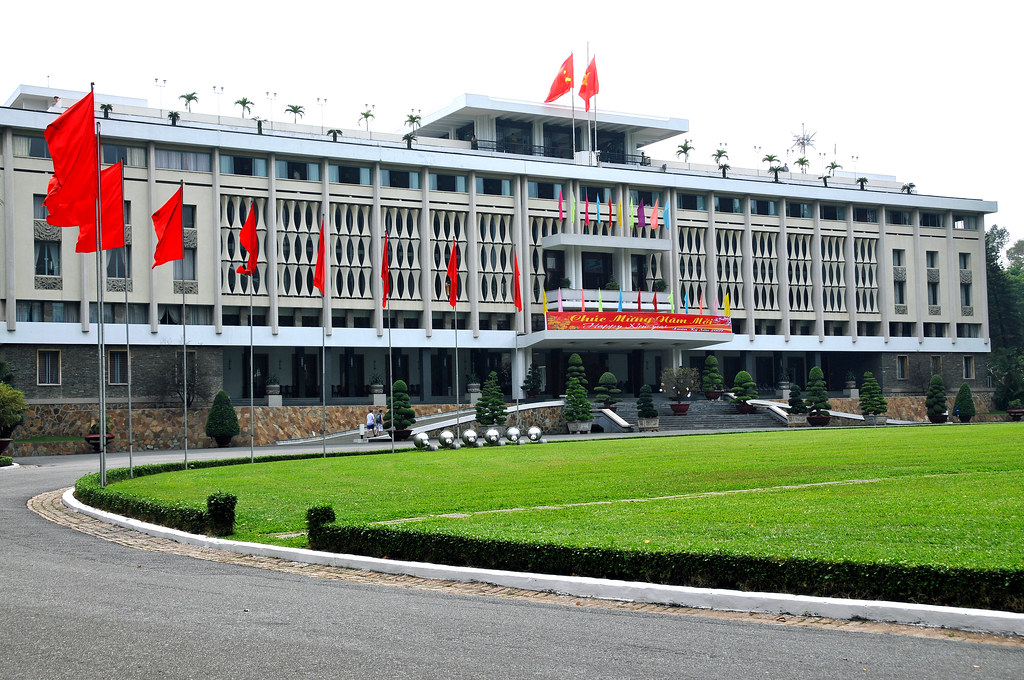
(413, 121)
(173, 116)
(684, 150)
(366, 116)
(862, 181)
(189, 97)
(909, 188)
(824, 178)
(770, 159)
(720, 156)
(409, 138)
(832, 167)
(245, 104)
(803, 163)
(775, 170)
(334, 132)
(296, 111)
(724, 167)
(106, 108)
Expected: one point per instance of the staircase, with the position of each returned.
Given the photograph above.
(703, 415)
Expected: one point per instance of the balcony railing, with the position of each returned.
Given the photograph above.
(557, 151)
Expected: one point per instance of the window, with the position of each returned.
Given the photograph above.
(297, 170)
(65, 312)
(933, 293)
(117, 367)
(832, 212)
(29, 310)
(899, 257)
(690, 202)
(119, 263)
(108, 312)
(47, 256)
(493, 186)
(188, 216)
(648, 197)
(965, 222)
(401, 179)
(548, 190)
(728, 205)
(348, 174)
(965, 260)
(931, 219)
(902, 366)
(133, 156)
(965, 295)
(31, 147)
(48, 367)
(798, 210)
(764, 207)
(38, 209)
(897, 217)
(936, 364)
(243, 165)
(185, 269)
(442, 182)
(968, 330)
(899, 292)
(931, 259)
(194, 161)
(595, 194)
(968, 368)
(869, 215)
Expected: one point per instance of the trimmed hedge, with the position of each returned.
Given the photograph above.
(1001, 589)
(6, 460)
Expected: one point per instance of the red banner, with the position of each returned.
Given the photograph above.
(637, 321)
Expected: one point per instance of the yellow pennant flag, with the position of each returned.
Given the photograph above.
(544, 299)
(600, 302)
(727, 305)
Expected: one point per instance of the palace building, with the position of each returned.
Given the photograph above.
(849, 276)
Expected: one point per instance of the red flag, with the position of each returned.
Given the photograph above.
(562, 82)
(589, 87)
(318, 272)
(655, 298)
(639, 303)
(517, 294)
(453, 275)
(654, 216)
(169, 231)
(609, 207)
(586, 217)
(560, 215)
(111, 215)
(385, 275)
(249, 240)
(72, 143)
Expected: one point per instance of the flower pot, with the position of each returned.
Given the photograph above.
(4, 443)
(818, 419)
(796, 419)
(680, 409)
(401, 435)
(273, 388)
(1015, 414)
(879, 419)
(376, 388)
(712, 395)
(579, 426)
(744, 407)
(94, 441)
(647, 424)
(965, 419)
(938, 418)
(223, 440)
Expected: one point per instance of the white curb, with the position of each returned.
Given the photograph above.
(980, 620)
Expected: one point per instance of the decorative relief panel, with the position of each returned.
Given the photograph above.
(45, 232)
(692, 261)
(799, 246)
(899, 273)
(766, 280)
(117, 285)
(190, 238)
(49, 283)
(899, 309)
(966, 311)
(933, 275)
(966, 276)
(186, 287)
(865, 271)
(934, 310)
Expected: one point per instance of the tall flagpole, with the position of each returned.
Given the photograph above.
(184, 327)
(323, 385)
(252, 383)
(458, 396)
(99, 312)
(127, 339)
(391, 370)
(590, 146)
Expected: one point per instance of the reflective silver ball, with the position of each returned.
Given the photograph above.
(492, 436)
(421, 440)
(446, 438)
(469, 437)
(513, 434)
(533, 434)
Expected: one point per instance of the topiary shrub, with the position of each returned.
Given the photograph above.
(400, 415)
(222, 421)
(220, 508)
(12, 409)
(711, 380)
(531, 385)
(645, 403)
(872, 403)
(744, 388)
(964, 404)
(796, 403)
(575, 370)
(490, 408)
(817, 395)
(607, 388)
(935, 398)
(577, 405)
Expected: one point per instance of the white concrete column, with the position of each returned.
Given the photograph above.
(782, 269)
(376, 246)
(520, 244)
(325, 213)
(150, 241)
(850, 274)
(426, 255)
(673, 265)
(9, 263)
(980, 276)
(883, 275)
(747, 267)
(951, 277)
(218, 309)
(920, 276)
(711, 259)
(472, 254)
(817, 285)
(270, 214)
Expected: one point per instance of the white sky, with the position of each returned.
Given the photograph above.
(924, 91)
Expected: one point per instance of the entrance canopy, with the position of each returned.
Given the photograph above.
(631, 330)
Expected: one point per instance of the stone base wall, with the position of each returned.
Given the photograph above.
(912, 408)
(550, 420)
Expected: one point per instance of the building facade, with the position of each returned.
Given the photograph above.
(851, 276)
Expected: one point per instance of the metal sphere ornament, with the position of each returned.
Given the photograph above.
(469, 437)
(492, 436)
(421, 440)
(446, 439)
(513, 434)
(533, 434)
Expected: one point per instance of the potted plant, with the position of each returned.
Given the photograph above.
(679, 383)
(532, 384)
(93, 434)
(490, 407)
(743, 390)
(473, 383)
(659, 286)
(711, 381)
(783, 384)
(607, 388)
(376, 383)
(935, 400)
(1015, 409)
(400, 416)
(273, 384)
(872, 404)
(612, 284)
(564, 282)
(578, 418)
(222, 421)
(817, 399)
(850, 386)
(963, 405)
(797, 407)
(12, 410)
(575, 369)
(646, 414)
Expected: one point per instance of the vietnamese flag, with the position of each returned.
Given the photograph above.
(249, 240)
(453, 275)
(71, 140)
(169, 231)
(318, 272)
(385, 275)
(517, 295)
(562, 82)
(589, 87)
(111, 215)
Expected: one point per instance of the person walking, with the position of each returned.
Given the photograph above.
(380, 421)
(371, 429)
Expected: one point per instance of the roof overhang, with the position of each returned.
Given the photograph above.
(606, 243)
(610, 341)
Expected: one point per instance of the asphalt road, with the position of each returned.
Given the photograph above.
(75, 606)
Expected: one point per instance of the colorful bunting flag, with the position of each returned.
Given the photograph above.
(654, 216)
(560, 299)
(727, 305)
(385, 273)
(600, 302)
(561, 216)
(641, 215)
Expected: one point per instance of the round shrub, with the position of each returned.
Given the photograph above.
(935, 399)
(400, 415)
(645, 403)
(222, 420)
(817, 395)
(964, 403)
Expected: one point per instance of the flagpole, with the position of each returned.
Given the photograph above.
(252, 385)
(391, 370)
(99, 311)
(184, 329)
(458, 396)
(590, 146)
(127, 340)
(323, 384)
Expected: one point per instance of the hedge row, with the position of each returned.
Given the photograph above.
(6, 460)
(1001, 589)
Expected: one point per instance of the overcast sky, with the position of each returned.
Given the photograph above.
(928, 92)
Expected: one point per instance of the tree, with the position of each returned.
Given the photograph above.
(174, 116)
(607, 388)
(679, 382)
(802, 162)
(490, 408)
(725, 168)
(872, 403)
(908, 188)
(862, 181)
(1015, 256)
(771, 159)
(832, 167)
(796, 403)
(106, 109)
(817, 395)
(413, 121)
(1006, 368)
(409, 138)
(645, 403)
(366, 116)
(189, 97)
(12, 409)
(575, 370)
(935, 399)
(6, 373)
(399, 408)
(222, 421)
(334, 132)
(577, 405)
(719, 156)
(296, 110)
(532, 385)
(824, 179)
(684, 150)
(170, 386)
(963, 405)
(775, 170)
(744, 388)
(1005, 295)
(245, 104)
(711, 379)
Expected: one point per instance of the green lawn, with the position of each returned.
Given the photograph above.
(944, 495)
